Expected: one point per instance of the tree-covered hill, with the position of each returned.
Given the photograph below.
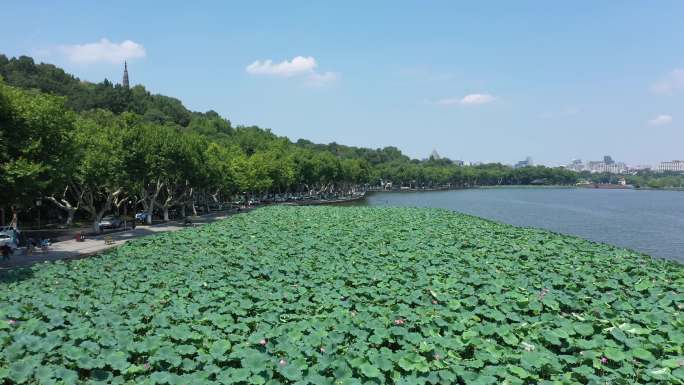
(89, 147)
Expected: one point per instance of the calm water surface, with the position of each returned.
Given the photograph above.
(648, 221)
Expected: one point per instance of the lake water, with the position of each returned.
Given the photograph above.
(645, 220)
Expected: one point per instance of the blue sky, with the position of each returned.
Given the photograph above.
(479, 81)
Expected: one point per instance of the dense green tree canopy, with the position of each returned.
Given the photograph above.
(96, 145)
(36, 141)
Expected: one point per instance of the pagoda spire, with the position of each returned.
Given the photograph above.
(125, 76)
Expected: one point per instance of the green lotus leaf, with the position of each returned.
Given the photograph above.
(255, 361)
(329, 295)
(673, 362)
(614, 354)
(67, 376)
(20, 371)
(584, 329)
(168, 355)
(219, 349)
(161, 378)
(117, 361)
(642, 354)
(369, 370)
(291, 372)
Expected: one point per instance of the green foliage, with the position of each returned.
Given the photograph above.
(325, 295)
(643, 178)
(127, 144)
(35, 143)
(23, 72)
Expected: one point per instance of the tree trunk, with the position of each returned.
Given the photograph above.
(66, 206)
(166, 213)
(14, 223)
(96, 222)
(149, 201)
(70, 217)
(88, 201)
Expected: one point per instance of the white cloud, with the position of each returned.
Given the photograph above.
(672, 82)
(300, 66)
(468, 100)
(293, 67)
(477, 99)
(103, 50)
(660, 120)
(318, 80)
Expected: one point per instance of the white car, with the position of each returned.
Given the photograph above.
(9, 240)
(110, 222)
(142, 217)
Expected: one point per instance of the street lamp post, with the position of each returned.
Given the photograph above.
(38, 203)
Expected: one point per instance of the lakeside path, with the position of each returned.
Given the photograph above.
(71, 249)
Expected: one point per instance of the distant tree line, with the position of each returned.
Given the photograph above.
(92, 147)
(642, 178)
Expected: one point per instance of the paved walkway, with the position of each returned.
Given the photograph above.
(72, 249)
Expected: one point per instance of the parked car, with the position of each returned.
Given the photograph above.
(142, 217)
(14, 234)
(110, 222)
(9, 240)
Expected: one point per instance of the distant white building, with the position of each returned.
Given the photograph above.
(524, 163)
(598, 166)
(435, 155)
(576, 165)
(675, 165)
(640, 167)
(613, 168)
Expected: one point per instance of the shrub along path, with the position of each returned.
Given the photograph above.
(347, 296)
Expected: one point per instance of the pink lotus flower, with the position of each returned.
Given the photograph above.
(146, 366)
(604, 360)
(263, 342)
(282, 362)
(434, 302)
(437, 357)
(542, 293)
(399, 321)
(322, 349)
(11, 322)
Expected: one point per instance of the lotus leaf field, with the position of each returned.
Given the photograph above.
(329, 295)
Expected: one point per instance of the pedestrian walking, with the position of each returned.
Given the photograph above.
(6, 252)
(30, 245)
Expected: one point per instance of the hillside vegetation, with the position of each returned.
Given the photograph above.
(89, 147)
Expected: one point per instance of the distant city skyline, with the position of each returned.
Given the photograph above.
(478, 82)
